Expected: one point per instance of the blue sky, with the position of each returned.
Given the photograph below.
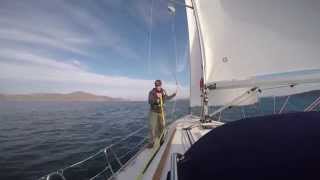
(98, 46)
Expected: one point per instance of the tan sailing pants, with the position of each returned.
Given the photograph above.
(156, 126)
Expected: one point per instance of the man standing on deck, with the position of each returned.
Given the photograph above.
(157, 97)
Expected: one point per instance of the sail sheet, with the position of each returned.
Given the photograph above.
(247, 38)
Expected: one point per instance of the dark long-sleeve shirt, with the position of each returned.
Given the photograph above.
(154, 101)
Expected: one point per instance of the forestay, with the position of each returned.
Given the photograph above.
(246, 38)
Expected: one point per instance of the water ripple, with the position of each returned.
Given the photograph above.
(37, 138)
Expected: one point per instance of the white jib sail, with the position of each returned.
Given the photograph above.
(195, 59)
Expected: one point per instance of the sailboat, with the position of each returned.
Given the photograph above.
(242, 53)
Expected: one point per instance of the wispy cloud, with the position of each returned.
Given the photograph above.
(19, 36)
(33, 59)
(62, 26)
(59, 46)
(49, 72)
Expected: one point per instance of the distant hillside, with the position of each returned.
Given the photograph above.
(74, 96)
(2, 97)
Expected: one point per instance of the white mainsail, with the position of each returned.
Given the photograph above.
(246, 38)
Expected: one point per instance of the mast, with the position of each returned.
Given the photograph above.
(204, 93)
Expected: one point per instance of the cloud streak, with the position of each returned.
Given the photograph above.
(64, 46)
(51, 72)
(62, 26)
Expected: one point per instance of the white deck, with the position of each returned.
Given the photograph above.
(176, 141)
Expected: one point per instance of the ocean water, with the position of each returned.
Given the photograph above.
(37, 138)
(267, 106)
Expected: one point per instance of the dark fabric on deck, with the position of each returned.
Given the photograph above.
(268, 147)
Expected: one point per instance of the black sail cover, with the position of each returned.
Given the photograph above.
(267, 147)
